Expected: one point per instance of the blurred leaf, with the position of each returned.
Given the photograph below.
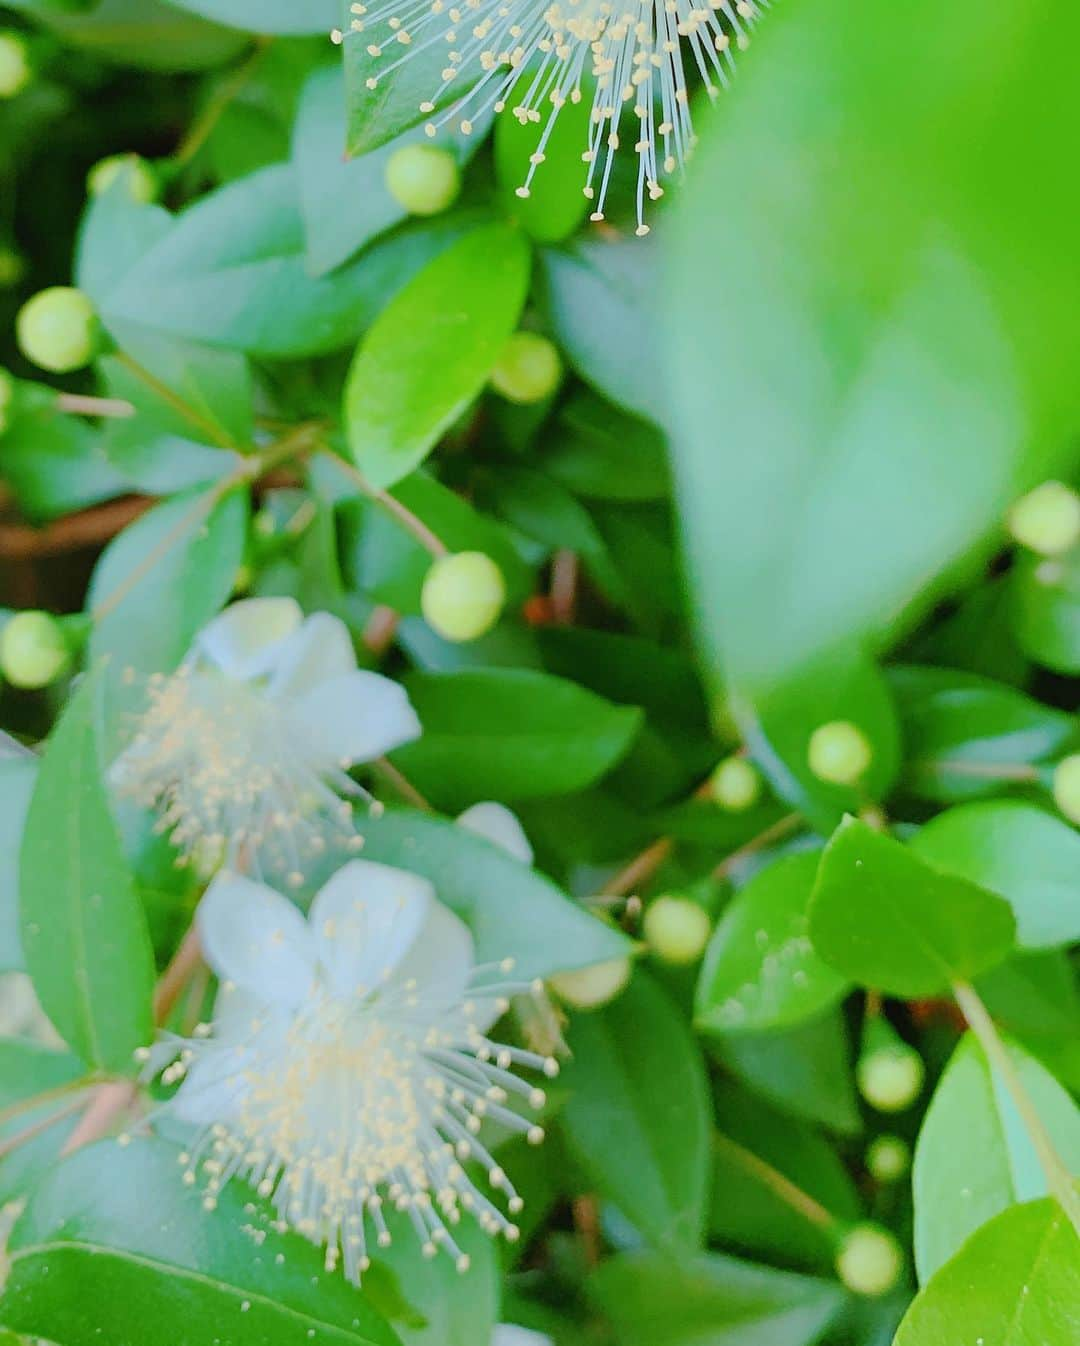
(600, 451)
(556, 203)
(17, 778)
(28, 1069)
(83, 931)
(974, 1156)
(430, 351)
(638, 1116)
(1015, 849)
(1045, 606)
(760, 969)
(269, 16)
(453, 1309)
(149, 34)
(886, 919)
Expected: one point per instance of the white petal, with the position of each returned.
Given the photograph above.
(355, 717)
(214, 1087)
(256, 938)
(509, 1334)
(319, 649)
(499, 825)
(246, 639)
(440, 961)
(364, 921)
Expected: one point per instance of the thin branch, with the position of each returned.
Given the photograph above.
(405, 517)
(565, 571)
(90, 528)
(783, 827)
(1017, 771)
(385, 768)
(639, 870)
(110, 1101)
(178, 974)
(213, 432)
(14, 1110)
(109, 408)
(778, 1183)
(203, 126)
(39, 1127)
(380, 630)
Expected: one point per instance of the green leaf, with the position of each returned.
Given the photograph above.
(599, 451)
(83, 931)
(269, 16)
(17, 777)
(886, 919)
(164, 577)
(510, 734)
(113, 1241)
(512, 911)
(866, 366)
(637, 1115)
(452, 1309)
(28, 1069)
(431, 350)
(975, 1158)
(711, 1301)
(115, 233)
(1016, 1282)
(1018, 850)
(556, 203)
(1045, 610)
(966, 736)
(760, 969)
(149, 34)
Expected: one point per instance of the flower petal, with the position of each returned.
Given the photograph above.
(256, 938)
(319, 649)
(245, 640)
(440, 962)
(214, 1087)
(364, 921)
(499, 825)
(509, 1334)
(355, 717)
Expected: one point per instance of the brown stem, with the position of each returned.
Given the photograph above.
(778, 1183)
(565, 570)
(385, 768)
(178, 974)
(110, 408)
(110, 1101)
(89, 528)
(39, 1127)
(380, 630)
(639, 870)
(586, 1212)
(783, 827)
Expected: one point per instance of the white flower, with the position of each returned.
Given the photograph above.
(349, 1065)
(244, 749)
(534, 56)
(509, 1334)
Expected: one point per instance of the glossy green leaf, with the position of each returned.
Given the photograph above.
(556, 203)
(886, 919)
(431, 350)
(975, 1158)
(600, 451)
(513, 911)
(760, 969)
(448, 1308)
(150, 34)
(637, 1114)
(113, 1241)
(1020, 851)
(17, 777)
(1016, 1282)
(1045, 606)
(269, 16)
(711, 1301)
(83, 931)
(510, 734)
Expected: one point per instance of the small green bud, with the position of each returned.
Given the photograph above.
(15, 69)
(463, 595)
(888, 1158)
(839, 752)
(1047, 519)
(591, 987)
(529, 369)
(677, 929)
(890, 1073)
(139, 177)
(422, 179)
(736, 784)
(12, 268)
(870, 1260)
(1066, 787)
(33, 651)
(58, 329)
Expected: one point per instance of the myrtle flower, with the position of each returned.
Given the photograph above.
(349, 1069)
(631, 60)
(244, 750)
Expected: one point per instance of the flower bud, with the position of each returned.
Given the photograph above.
(870, 1261)
(463, 595)
(591, 987)
(888, 1158)
(529, 369)
(736, 785)
(139, 178)
(33, 651)
(1066, 787)
(677, 929)
(839, 752)
(422, 179)
(1047, 519)
(12, 267)
(890, 1074)
(15, 69)
(58, 329)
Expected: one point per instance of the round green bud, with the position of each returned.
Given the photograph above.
(463, 595)
(529, 369)
(1047, 519)
(591, 987)
(138, 176)
(676, 929)
(839, 752)
(15, 68)
(58, 329)
(422, 179)
(870, 1261)
(736, 784)
(12, 268)
(33, 651)
(888, 1158)
(891, 1078)
(1066, 787)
